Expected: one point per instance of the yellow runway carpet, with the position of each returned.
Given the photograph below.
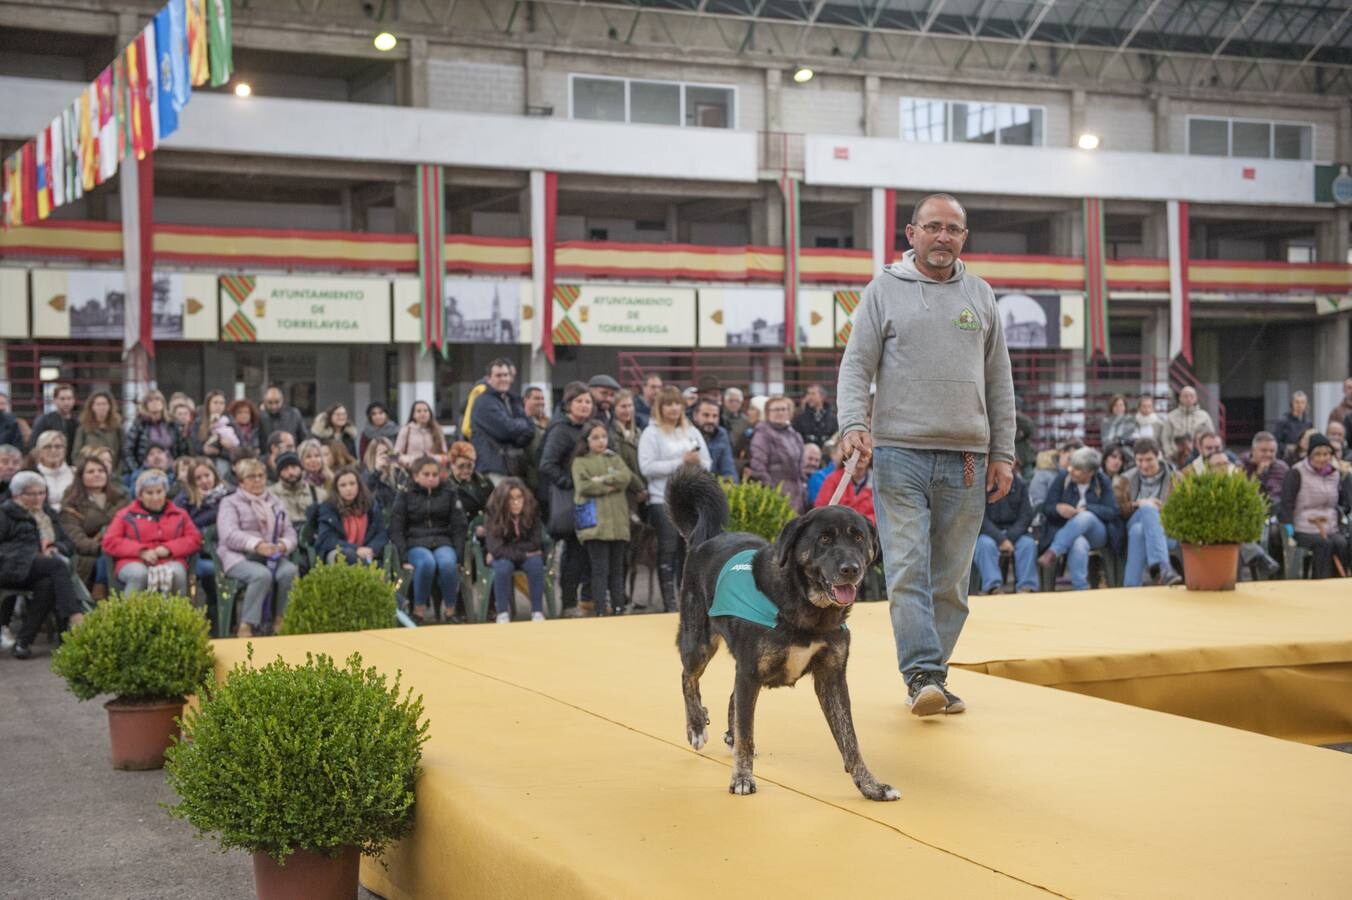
(558, 766)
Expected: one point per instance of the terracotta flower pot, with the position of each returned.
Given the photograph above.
(1210, 567)
(139, 733)
(307, 875)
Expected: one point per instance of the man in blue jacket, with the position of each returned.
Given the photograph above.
(716, 437)
(1082, 515)
(1007, 528)
(500, 430)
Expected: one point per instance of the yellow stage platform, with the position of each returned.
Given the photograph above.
(558, 767)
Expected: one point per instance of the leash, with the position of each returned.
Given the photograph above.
(846, 479)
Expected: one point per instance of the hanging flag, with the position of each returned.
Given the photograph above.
(110, 146)
(432, 255)
(151, 83)
(198, 70)
(1096, 280)
(70, 133)
(137, 189)
(792, 238)
(171, 66)
(30, 183)
(1180, 301)
(88, 155)
(57, 161)
(120, 105)
(141, 92)
(11, 192)
(218, 41)
(44, 184)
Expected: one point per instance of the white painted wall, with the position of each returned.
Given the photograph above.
(824, 105)
(1122, 123)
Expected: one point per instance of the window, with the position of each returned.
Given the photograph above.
(653, 102)
(1250, 138)
(936, 121)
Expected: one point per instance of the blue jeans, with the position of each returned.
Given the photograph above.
(1146, 545)
(206, 577)
(928, 522)
(504, 590)
(440, 564)
(101, 570)
(1074, 541)
(1025, 562)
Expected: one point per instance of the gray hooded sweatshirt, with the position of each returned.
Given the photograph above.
(937, 352)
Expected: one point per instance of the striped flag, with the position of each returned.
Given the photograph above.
(44, 174)
(11, 190)
(221, 56)
(792, 241)
(432, 255)
(110, 146)
(89, 157)
(1096, 280)
(140, 87)
(70, 133)
(29, 182)
(198, 69)
(57, 161)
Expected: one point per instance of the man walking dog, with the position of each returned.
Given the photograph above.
(941, 434)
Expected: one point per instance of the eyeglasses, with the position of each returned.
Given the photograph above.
(933, 228)
(254, 476)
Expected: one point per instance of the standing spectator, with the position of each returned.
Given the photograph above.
(858, 494)
(816, 423)
(49, 461)
(10, 432)
(514, 541)
(708, 388)
(351, 526)
(35, 557)
(1119, 426)
(151, 427)
(625, 433)
(256, 536)
(380, 424)
(777, 452)
(150, 540)
(603, 389)
(420, 436)
(600, 481)
(473, 487)
(831, 453)
(1343, 410)
(500, 430)
(279, 442)
(556, 477)
(1314, 492)
(1146, 488)
(297, 494)
(11, 461)
(334, 423)
(715, 439)
(62, 418)
(200, 497)
(1081, 515)
(204, 441)
(429, 529)
(734, 414)
(537, 410)
(1186, 419)
(1007, 530)
(538, 413)
(277, 416)
(667, 444)
(86, 511)
(240, 430)
(313, 468)
(181, 414)
(1337, 436)
(643, 404)
(385, 478)
(1148, 422)
(1293, 423)
(100, 426)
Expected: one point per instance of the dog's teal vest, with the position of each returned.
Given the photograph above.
(735, 593)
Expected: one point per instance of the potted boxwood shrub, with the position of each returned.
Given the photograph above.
(756, 508)
(1210, 515)
(148, 651)
(305, 767)
(340, 597)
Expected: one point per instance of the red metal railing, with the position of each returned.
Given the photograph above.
(87, 366)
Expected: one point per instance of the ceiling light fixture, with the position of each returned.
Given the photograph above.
(1088, 141)
(242, 89)
(803, 74)
(385, 42)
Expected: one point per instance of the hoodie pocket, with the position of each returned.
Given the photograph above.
(934, 412)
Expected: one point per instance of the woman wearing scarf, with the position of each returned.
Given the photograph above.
(379, 424)
(151, 427)
(35, 556)
(351, 525)
(1313, 492)
(150, 541)
(256, 536)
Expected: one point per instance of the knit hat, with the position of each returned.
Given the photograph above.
(1317, 440)
(288, 459)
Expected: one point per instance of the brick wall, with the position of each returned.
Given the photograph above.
(480, 87)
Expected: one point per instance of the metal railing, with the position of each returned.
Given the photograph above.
(34, 368)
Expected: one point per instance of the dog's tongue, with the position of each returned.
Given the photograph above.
(844, 593)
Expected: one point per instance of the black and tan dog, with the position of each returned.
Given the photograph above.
(807, 583)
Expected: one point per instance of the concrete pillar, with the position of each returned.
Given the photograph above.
(1332, 237)
(1078, 104)
(771, 219)
(1162, 112)
(1155, 234)
(774, 100)
(1206, 354)
(1344, 137)
(872, 85)
(417, 376)
(538, 373)
(4, 371)
(413, 88)
(1067, 236)
(862, 222)
(878, 224)
(1331, 364)
(535, 82)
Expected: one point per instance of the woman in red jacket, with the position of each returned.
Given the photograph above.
(150, 540)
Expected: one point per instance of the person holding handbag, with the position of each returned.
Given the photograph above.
(601, 512)
(556, 477)
(668, 443)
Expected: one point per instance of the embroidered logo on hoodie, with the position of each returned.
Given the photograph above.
(967, 321)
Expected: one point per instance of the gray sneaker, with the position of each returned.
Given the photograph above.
(925, 695)
(955, 704)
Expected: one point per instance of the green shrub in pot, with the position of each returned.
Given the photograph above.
(340, 597)
(1215, 507)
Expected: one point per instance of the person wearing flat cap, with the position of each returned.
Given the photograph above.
(603, 389)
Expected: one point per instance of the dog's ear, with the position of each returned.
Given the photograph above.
(876, 542)
(788, 536)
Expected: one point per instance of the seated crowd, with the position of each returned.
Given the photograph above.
(187, 493)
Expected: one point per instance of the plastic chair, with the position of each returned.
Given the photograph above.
(227, 588)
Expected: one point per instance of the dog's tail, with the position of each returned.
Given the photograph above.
(697, 505)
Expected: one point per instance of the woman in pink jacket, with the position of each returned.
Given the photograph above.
(256, 535)
(420, 436)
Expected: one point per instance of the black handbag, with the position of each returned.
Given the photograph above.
(562, 523)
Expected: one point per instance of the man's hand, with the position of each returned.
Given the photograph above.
(999, 479)
(858, 440)
(1066, 511)
(1006, 546)
(365, 554)
(691, 458)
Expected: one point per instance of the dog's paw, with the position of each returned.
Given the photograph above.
(874, 790)
(697, 737)
(742, 785)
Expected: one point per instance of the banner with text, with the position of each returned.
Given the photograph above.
(623, 316)
(91, 304)
(294, 309)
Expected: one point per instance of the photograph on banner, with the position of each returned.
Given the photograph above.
(816, 318)
(13, 303)
(623, 316)
(90, 304)
(1049, 321)
(299, 309)
(515, 313)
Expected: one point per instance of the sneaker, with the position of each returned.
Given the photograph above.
(504, 618)
(1168, 577)
(955, 704)
(21, 651)
(925, 695)
(7, 638)
(537, 617)
(1027, 589)
(571, 612)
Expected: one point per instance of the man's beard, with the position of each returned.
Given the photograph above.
(709, 430)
